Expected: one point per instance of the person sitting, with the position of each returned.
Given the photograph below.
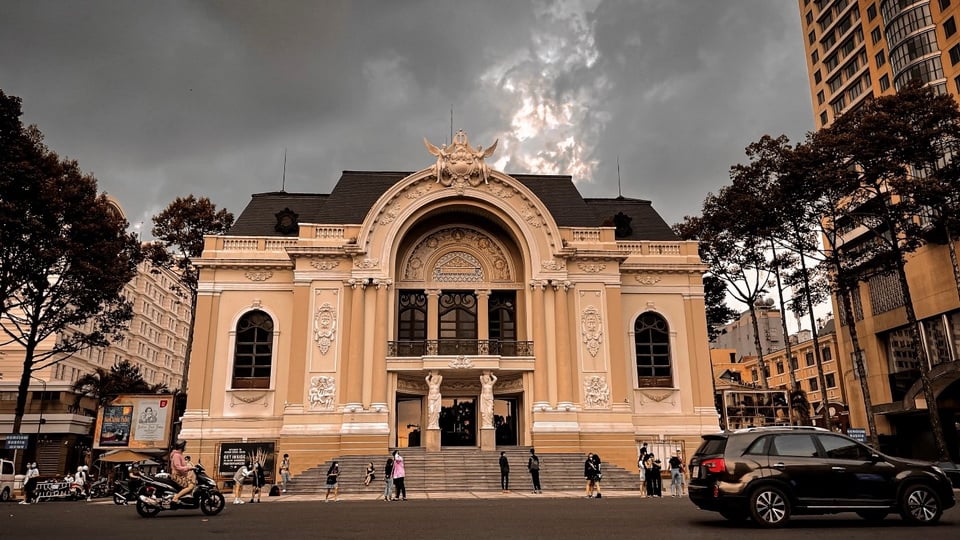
(182, 471)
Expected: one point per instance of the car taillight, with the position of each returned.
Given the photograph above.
(714, 465)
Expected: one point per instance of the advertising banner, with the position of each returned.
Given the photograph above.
(234, 454)
(135, 422)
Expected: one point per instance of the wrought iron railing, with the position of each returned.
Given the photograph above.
(456, 347)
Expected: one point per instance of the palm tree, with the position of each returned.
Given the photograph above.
(123, 378)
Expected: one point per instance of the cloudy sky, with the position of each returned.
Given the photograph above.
(165, 99)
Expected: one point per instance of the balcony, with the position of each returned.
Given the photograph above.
(459, 347)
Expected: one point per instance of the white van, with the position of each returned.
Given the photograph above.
(6, 480)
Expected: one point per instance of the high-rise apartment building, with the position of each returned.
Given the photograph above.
(857, 49)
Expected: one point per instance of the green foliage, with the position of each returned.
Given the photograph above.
(122, 378)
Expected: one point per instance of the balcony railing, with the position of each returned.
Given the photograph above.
(456, 347)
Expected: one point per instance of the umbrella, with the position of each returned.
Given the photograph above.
(125, 456)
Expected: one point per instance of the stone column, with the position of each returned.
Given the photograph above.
(433, 317)
(565, 366)
(483, 320)
(354, 383)
(541, 397)
(346, 343)
(370, 322)
(620, 365)
(379, 374)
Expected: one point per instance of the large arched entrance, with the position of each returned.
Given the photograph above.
(459, 315)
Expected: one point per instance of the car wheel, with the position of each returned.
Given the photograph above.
(212, 504)
(736, 516)
(5, 495)
(920, 505)
(147, 510)
(873, 515)
(769, 506)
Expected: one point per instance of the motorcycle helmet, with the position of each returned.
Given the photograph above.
(85, 468)
(79, 469)
(180, 444)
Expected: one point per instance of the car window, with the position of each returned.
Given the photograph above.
(712, 446)
(758, 447)
(793, 446)
(842, 448)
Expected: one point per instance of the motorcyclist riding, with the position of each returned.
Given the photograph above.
(182, 470)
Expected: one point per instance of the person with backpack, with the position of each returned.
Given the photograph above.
(598, 475)
(533, 465)
(504, 473)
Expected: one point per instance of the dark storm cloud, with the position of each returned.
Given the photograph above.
(164, 99)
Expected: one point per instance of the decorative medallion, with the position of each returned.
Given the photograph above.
(648, 279)
(366, 263)
(461, 362)
(460, 164)
(591, 268)
(324, 264)
(325, 327)
(286, 221)
(258, 276)
(553, 265)
(322, 391)
(591, 327)
(596, 393)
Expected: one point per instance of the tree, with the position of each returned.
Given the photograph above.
(121, 378)
(179, 230)
(75, 257)
(718, 312)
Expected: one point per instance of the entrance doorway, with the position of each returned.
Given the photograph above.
(458, 422)
(505, 421)
(409, 411)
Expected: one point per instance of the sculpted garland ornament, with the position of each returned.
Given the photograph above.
(460, 164)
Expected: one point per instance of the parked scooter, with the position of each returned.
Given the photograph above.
(156, 494)
(98, 489)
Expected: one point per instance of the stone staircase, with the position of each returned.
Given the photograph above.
(461, 469)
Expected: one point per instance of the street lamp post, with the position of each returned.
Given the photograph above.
(42, 395)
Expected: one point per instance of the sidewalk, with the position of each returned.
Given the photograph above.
(518, 494)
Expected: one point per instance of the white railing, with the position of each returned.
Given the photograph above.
(280, 244)
(586, 235)
(240, 244)
(329, 232)
(649, 248)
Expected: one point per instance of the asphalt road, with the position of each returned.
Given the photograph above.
(463, 519)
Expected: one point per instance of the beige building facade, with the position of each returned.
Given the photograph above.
(456, 306)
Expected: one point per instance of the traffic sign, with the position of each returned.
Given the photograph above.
(17, 441)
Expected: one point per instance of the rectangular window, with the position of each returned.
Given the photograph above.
(944, 4)
(794, 365)
(884, 82)
(779, 368)
(817, 77)
(875, 35)
(871, 12)
(820, 97)
(949, 27)
(823, 116)
(831, 380)
(826, 354)
(813, 385)
(809, 358)
(809, 17)
(954, 54)
(812, 37)
(880, 58)
(815, 57)
(956, 82)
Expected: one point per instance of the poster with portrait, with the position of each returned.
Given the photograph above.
(135, 422)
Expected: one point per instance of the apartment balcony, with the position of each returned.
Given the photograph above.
(491, 354)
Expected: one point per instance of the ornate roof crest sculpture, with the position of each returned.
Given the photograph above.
(460, 164)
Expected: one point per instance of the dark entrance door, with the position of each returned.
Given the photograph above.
(505, 411)
(458, 422)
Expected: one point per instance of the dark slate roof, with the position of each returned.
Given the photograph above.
(646, 223)
(357, 191)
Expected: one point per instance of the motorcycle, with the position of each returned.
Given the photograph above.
(156, 494)
(125, 491)
(98, 489)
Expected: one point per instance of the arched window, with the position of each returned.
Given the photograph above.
(253, 354)
(652, 344)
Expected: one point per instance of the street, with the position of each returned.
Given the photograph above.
(615, 516)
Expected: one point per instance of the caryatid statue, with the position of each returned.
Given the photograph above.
(433, 399)
(487, 380)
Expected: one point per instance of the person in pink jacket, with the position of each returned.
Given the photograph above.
(398, 475)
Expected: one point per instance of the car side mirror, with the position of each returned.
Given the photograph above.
(875, 458)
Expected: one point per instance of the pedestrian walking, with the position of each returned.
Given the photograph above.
(259, 480)
(598, 475)
(30, 483)
(388, 478)
(333, 474)
(239, 477)
(533, 465)
(398, 476)
(284, 472)
(504, 473)
(369, 475)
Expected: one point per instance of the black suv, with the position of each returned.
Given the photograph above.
(767, 474)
